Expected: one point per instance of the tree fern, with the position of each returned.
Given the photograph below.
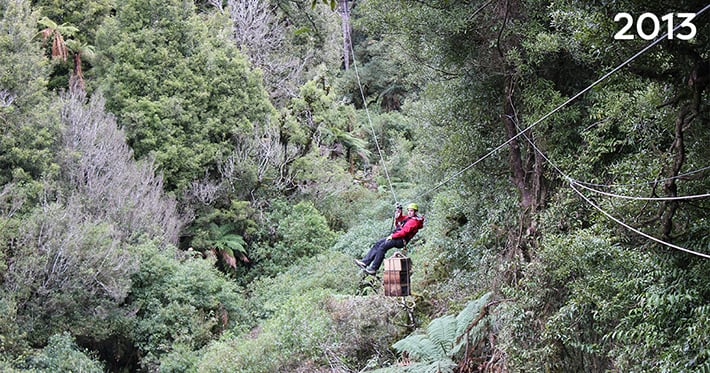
(230, 245)
(464, 320)
(442, 333)
(445, 336)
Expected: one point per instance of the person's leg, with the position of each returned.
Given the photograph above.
(370, 256)
(379, 254)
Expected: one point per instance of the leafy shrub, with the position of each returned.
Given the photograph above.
(180, 304)
(302, 232)
(358, 240)
(63, 355)
(297, 331)
(13, 341)
(364, 329)
(66, 266)
(666, 326)
(305, 318)
(253, 353)
(329, 271)
(581, 286)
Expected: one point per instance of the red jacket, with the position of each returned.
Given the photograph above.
(407, 227)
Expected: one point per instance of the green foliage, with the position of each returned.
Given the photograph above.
(302, 232)
(248, 355)
(304, 319)
(332, 3)
(305, 231)
(667, 322)
(444, 338)
(63, 355)
(83, 228)
(319, 127)
(188, 97)
(588, 281)
(358, 239)
(85, 15)
(228, 244)
(13, 342)
(324, 271)
(65, 265)
(179, 305)
(28, 136)
(181, 359)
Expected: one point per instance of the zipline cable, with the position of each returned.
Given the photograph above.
(367, 112)
(585, 90)
(522, 133)
(680, 176)
(582, 185)
(573, 183)
(706, 256)
(676, 198)
(571, 180)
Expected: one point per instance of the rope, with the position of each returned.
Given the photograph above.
(369, 119)
(572, 182)
(582, 185)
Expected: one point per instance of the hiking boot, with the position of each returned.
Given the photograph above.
(370, 271)
(360, 264)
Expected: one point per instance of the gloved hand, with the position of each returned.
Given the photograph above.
(398, 211)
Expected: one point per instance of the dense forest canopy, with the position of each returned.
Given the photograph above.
(184, 185)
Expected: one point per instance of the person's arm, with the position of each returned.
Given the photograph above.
(409, 229)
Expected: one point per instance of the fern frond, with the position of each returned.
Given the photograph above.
(444, 338)
(419, 347)
(472, 310)
(442, 332)
(442, 366)
(464, 320)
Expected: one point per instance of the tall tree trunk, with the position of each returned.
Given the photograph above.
(697, 82)
(517, 171)
(345, 16)
(670, 187)
(76, 80)
(526, 172)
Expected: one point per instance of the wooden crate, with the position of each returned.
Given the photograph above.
(396, 278)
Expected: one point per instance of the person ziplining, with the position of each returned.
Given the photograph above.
(405, 227)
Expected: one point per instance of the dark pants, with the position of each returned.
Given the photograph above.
(377, 253)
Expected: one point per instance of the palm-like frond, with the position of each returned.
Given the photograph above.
(79, 49)
(230, 245)
(466, 317)
(57, 33)
(444, 338)
(419, 347)
(442, 332)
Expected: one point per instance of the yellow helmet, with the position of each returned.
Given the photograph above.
(413, 206)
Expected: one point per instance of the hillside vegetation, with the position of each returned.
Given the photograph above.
(184, 185)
